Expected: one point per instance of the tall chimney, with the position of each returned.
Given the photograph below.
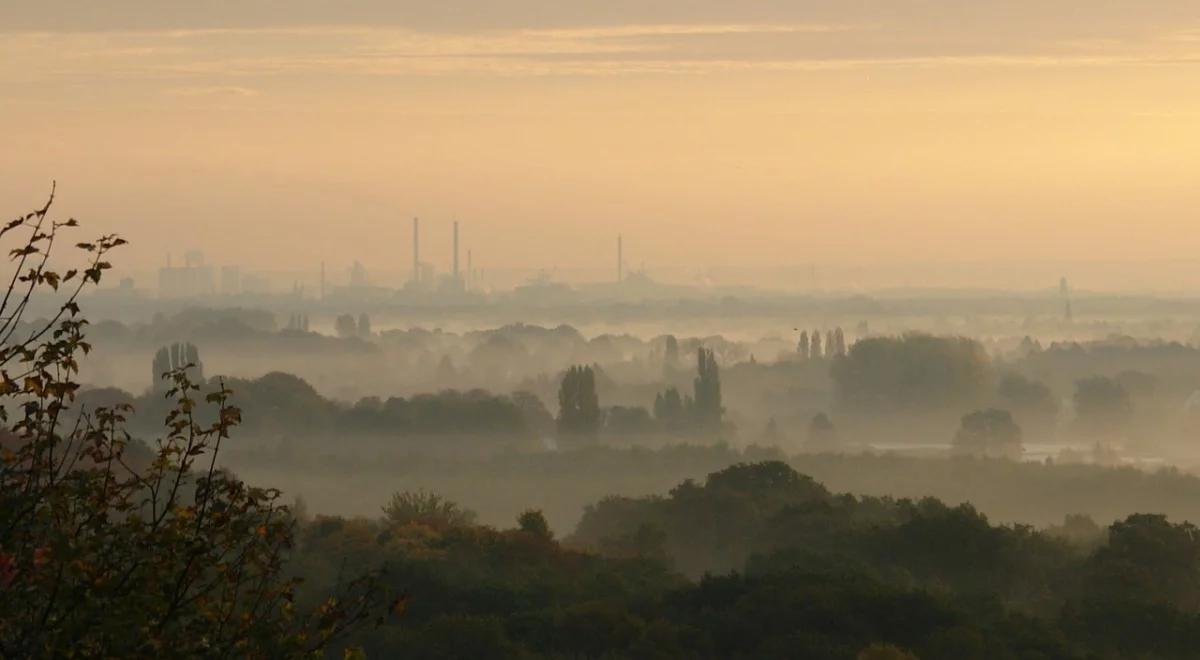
(416, 278)
(620, 260)
(470, 271)
(1065, 292)
(456, 280)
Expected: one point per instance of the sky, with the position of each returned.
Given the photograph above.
(882, 137)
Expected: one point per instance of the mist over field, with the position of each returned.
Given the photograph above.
(477, 412)
(600, 330)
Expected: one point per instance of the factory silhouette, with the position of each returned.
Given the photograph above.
(195, 278)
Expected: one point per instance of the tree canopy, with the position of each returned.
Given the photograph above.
(911, 373)
(989, 433)
(578, 405)
(113, 549)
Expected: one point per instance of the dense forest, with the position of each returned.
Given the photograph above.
(760, 561)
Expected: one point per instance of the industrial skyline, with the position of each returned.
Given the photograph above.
(440, 272)
(733, 137)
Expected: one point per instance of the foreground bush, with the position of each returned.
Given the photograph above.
(110, 548)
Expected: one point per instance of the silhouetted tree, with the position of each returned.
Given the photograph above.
(578, 405)
(671, 351)
(814, 350)
(1149, 560)
(669, 409)
(534, 522)
(802, 347)
(839, 340)
(1029, 346)
(914, 373)
(1030, 400)
(822, 436)
(990, 433)
(707, 388)
(364, 326)
(345, 326)
(830, 344)
(426, 508)
(176, 357)
(1102, 406)
(112, 548)
(534, 415)
(298, 322)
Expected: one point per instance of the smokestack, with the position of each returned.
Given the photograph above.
(416, 278)
(456, 279)
(1065, 292)
(620, 260)
(470, 271)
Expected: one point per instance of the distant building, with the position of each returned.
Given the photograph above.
(124, 293)
(359, 289)
(543, 289)
(255, 284)
(1064, 290)
(192, 280)
(358, 276)
(231, 280)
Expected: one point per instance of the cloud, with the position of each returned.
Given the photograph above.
(215, 54)
(978, 17)
(1191, 35)
(683, 29)
(213, 90)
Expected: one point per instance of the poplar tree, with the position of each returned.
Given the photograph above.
(707, 389)
(578, 405)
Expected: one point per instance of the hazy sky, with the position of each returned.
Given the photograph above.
(710, 133)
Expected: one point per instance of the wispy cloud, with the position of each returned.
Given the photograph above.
(661, 49)
(1190, 35)
(213, 90)
(601, 32)
(668, 30)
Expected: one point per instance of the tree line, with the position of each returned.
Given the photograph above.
(759, 561)
(700, 413)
